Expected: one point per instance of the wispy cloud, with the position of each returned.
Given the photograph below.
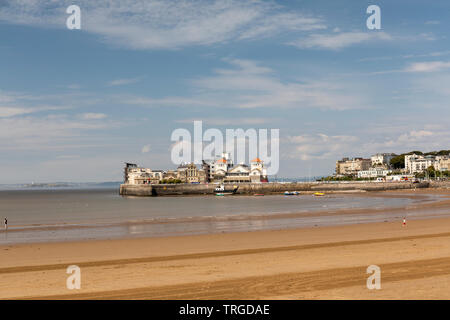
(407, 56)
(230, 121)
(123, 81)
(246, 84)
(320, 146)
(430, 66)
(73, 86)
(419, 67)
(6, 112)
(52, 131)
(169, 24)
(13, 104)
(93, 116)
(336, 41)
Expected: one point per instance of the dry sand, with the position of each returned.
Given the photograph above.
(314, 263)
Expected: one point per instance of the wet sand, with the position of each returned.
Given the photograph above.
(307, 263)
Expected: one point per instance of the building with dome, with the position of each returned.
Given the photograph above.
(258, 173)
(221, 170)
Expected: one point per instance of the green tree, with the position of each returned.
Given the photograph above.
(398, 162)
(431, 172)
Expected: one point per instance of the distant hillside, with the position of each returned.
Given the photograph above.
(62, 185)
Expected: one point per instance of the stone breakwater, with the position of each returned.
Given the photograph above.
(265, 188)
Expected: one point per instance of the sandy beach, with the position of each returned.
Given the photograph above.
(306, 263)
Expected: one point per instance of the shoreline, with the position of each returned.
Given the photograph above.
(327, 262)
(425, 203)
(228, 266)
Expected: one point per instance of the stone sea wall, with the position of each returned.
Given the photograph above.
(265, 188)
(440, 184)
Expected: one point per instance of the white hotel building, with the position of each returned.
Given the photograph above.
(373, 173)
(418, 163)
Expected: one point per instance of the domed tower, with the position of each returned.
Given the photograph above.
(258, 171)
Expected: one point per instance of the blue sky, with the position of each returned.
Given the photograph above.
(76, 104)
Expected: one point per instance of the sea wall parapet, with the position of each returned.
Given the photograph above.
(266, 188)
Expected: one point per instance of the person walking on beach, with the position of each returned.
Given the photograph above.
(404, 222)
(6, 223)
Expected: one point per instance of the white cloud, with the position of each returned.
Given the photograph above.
(146, 148)
(432, 66)
(168, 24)
(434, 88)
(420, 133)
(413, 136)
(230, 121)
(248, 85)
(336, 41)
(283, 21)
(320, 146)
(122, 82)
(419, 67)
(10, 112)
(425, 140)
(93, 116)
(407, 56)
(6, 112)
(425, 36)
(73, 86)
(49, 132)
(69, 156)
(13, 104)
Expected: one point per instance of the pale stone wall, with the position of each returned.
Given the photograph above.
(266, 188)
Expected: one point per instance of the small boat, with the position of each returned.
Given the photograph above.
(222, 190)
(291, 193)
(319, 194)
(259, 194)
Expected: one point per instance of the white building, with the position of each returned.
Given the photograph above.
(373, 173)
(442, 163)
(418, 163)
(348, 166)
(136, 175)
(258, 173)
(220, 167)
(240, 173)
(223, 170)
(381, 159)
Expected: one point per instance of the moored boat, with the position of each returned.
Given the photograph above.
(222, 190)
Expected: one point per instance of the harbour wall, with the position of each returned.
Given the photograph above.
(265, 188)
(440, 184)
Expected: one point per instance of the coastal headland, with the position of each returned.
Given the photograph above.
(265, 188)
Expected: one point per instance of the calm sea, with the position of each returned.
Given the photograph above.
(62, 215)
